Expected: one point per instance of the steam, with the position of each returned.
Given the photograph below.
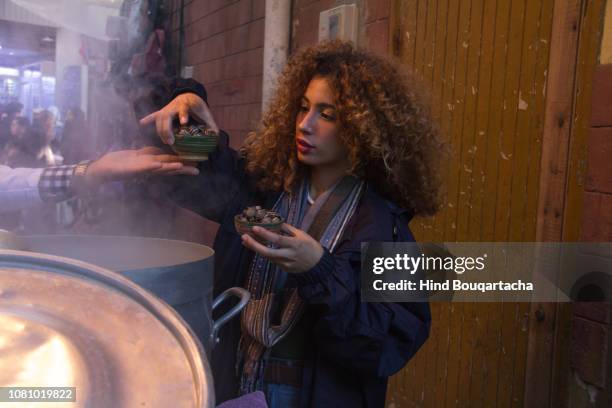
(101, 37)
(87, 17)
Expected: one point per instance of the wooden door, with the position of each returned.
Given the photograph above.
(486, 62)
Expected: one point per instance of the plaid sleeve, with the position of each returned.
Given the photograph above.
(55, 183)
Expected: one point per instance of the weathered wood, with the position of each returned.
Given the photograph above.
(436, 226)
(494, 121)
(419, 55)
(522, 338)
(467, 129)
(454, 376)
(555, 146)
(444, 355)
(456, 107)
(535, 149)
(487, 67)
(588, 51)
(557, 120)
(490, 59)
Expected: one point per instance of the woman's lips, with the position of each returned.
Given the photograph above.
(304, 147)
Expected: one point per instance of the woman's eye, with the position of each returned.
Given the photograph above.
(328, 116)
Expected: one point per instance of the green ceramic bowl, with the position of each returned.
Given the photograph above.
(245, 227)
(194, 148)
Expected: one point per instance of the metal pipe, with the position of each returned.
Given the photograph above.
(276, 45)
(181, 39)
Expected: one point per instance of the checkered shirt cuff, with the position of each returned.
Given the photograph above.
(55, 183)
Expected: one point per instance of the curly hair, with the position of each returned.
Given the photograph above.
(384, 120)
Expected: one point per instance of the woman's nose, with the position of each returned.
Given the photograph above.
(307, 123)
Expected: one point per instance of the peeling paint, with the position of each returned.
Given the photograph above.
(522, 104)
(504, 156)
(590, 389)
(465, 44)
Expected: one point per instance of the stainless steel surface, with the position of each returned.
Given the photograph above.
(67, 323)
(178, 272)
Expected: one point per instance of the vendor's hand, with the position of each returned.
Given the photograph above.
(295, 253)
(180, 106)
(130, 163)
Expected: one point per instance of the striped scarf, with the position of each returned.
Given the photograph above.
(266, 281)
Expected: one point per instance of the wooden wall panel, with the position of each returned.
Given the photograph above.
(486, 63)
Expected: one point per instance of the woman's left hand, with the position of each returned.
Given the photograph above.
(293, 253)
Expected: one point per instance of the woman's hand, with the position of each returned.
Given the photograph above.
(296, 253)
(180, 106)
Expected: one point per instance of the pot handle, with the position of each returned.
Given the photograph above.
(241, 293)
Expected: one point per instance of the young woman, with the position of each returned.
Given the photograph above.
(347, 154)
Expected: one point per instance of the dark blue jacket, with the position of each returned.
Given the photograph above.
(355, 346)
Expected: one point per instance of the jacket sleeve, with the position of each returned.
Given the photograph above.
(180, 86)
(19, 188)
(221, 185)
(370, 338)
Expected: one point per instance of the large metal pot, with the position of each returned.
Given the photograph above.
(67, 323)
(178, 272)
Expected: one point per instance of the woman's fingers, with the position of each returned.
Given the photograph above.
(170, 169)
(208, 118)
(274, 254)
(277, 239)
(183, 113)
(149, 119)
(289, 229)
(167, 128)
(167, 158)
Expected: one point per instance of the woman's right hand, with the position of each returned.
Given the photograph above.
(181, 106)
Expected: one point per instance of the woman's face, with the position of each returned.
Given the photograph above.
(316, 127)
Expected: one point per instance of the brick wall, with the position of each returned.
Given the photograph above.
(590, 354)
(597, 214)
(224, 44)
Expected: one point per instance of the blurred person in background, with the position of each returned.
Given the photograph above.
(43, 134)
(75, 144)
(14, 153)
(10, 112)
